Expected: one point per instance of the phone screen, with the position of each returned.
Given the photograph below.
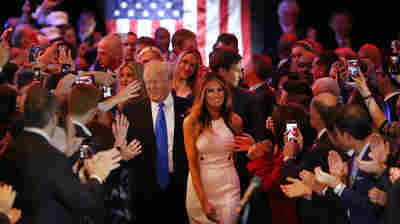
(87, 79)
(107, 91)
(291, 129)
(353, 68)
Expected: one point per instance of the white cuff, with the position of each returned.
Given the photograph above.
(97, 178)
(324, 191)
(339, 189)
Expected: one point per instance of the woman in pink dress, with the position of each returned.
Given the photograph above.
(213, 190)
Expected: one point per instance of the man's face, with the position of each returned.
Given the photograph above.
(158, 86)
(288, 17)
(163, 39)
(104, 56)
(235, 73)
(86, 24)
(129, 50)
(304, 66)
(318, 70)
(70, 37)
(341, 24)
(189, 44)
(248, 73)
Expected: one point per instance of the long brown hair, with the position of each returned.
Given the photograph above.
(199, 112)
(192, 80)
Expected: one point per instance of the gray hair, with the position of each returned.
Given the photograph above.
(158, 67)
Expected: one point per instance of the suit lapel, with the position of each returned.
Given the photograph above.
(148, 121)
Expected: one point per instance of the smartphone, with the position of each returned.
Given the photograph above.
(353, 69)
(107, 91)
(394, 65)
(34, 54)
(291, 129)
(87, 79)
(85, 152)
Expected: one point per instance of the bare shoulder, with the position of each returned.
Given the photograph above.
(237, 123)
(188, 122)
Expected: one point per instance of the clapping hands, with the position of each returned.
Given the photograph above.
(379, 153)
(7, 198)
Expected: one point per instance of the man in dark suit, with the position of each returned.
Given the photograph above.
(349, 129)
(319, 209)
(256, 75)
(390, 90)
(158, 176)
(228, 64)
(48, 191)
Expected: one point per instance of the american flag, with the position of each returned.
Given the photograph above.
(206, 18)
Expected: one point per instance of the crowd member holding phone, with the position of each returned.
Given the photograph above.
(43, 177)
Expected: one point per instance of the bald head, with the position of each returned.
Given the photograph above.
(322, 106)
(371, 52)
(110, 51)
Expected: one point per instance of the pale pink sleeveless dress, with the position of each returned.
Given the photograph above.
(218, 176)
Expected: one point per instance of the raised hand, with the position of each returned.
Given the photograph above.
(377, 196)
(130, 91)
(7, 198)
(361, 84)
(339, 70)
(297, 188)
(337, 167)
(50, 54)
(260, 149)
(120, 130)
(102, 163)
(210, 211)
(309, 179)
(104, 78)
(325, 178)
(269, 124)
(394, 174)
(14, 215)
(65, 57)
(133, 149)
(380, 149)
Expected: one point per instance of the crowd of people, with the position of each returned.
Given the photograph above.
(121, 129)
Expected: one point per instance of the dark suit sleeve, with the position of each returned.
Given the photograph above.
(4, 219)
(353, 198)
(393, 206)
(84, 199)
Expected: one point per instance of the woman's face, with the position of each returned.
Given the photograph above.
(126, 77)
(187, 66)
(215, 94)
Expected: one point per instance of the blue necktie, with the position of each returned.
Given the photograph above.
(162, 148)
(387, 112)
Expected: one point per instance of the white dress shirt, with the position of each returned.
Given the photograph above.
(170, 122)
(39, 132)
(84, 128)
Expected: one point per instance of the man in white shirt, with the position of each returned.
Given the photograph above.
(48, 191)
(160, 172)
